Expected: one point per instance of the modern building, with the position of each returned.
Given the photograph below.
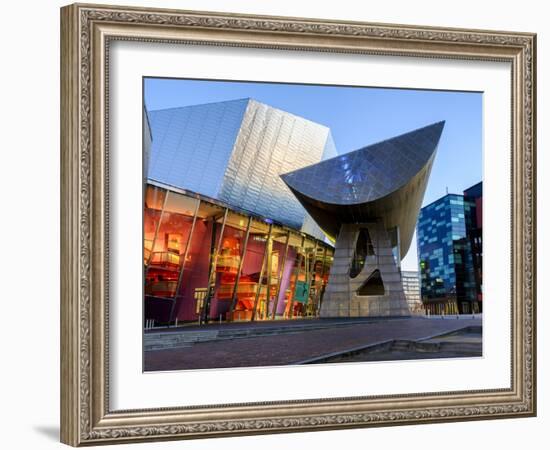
(243, 202)
(411, 288)
(205, 260)
(234, 152)
(368, 201)
(450, 252)
(474, 231)
(224, 238)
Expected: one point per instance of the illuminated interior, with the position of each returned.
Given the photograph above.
(204, 262)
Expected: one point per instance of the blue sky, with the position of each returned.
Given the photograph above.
(359, 116)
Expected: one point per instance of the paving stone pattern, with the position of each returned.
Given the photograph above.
(291, 348)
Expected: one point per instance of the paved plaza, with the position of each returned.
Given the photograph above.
(295, 342)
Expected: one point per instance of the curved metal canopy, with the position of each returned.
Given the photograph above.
(384, 181)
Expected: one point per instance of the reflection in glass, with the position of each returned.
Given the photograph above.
(228, 261)
(205, 262)
(154, 202)
(243, 295)
(169, 244)
(192, 294)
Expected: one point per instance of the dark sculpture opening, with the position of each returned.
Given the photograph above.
(373, 286)
(363, 248)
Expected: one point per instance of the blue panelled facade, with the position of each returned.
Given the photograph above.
(192, 145)
(234, 151)
(446, 257)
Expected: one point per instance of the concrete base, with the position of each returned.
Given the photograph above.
(341, 298)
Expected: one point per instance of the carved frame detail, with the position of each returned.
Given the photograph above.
(86, 32)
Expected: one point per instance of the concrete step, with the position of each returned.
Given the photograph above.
(434, 345)
(164, 340)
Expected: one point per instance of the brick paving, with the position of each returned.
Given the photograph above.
(287, 348)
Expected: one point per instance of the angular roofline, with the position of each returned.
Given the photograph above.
(394, 188)
(373, 144)
(473, 186)
(202, 104)
(252, 99)
(451, 193)
(441, 198)
(249, 100)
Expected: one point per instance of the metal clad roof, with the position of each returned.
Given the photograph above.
(370, 173)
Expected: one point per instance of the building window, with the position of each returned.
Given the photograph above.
(166, 248)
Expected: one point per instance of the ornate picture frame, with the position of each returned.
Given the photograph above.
(86, 34)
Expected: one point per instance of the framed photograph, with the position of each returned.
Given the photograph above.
(279, 224)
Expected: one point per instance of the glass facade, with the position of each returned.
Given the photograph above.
(446, 256)
(204, 261)
(242, 146)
